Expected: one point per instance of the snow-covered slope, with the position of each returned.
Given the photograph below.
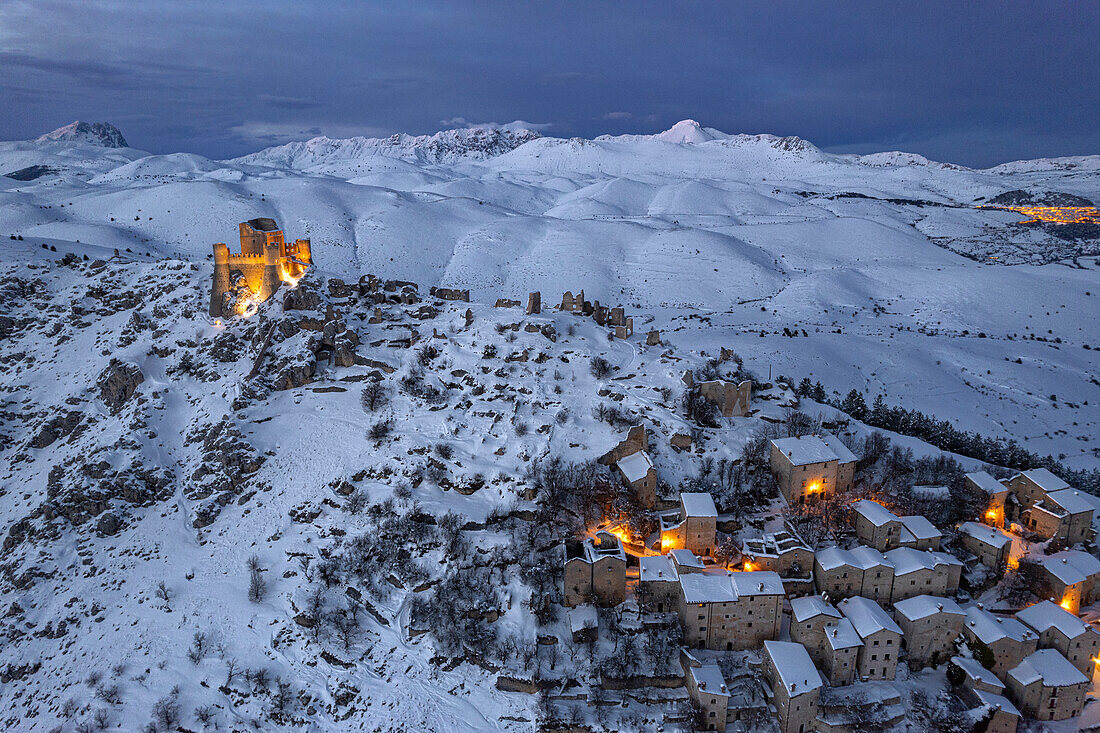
(148, 454)
(890, 244)
(449, 146)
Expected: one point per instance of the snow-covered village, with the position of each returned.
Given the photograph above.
(522, 427)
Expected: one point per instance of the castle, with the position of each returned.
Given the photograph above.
(242, 281)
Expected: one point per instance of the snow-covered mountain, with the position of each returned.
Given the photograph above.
(149, 453)
(92, 133)
(448, 146)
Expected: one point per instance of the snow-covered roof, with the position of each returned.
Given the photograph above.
(805, 450)
(635, 466)
(1044, 479)
(603, 545)
(1045, 615)
(989, 628)
(807, 607)
(709, 679)
(1072, 500)
(757, 583)
(583, 617)
(843, 455)
(999, 702)
(908, 559)
(842, 635)
(976, 671)
(874, 512)
(703, 588)
(1070, 566)
(1049, 666)
(657, 567)
(923, 606)
(698, 504)
(985, 534)
(944, 558)
(986, 482)
(920, 527)
(833, 557)
(793, 665)
(867, 616)
(868, 557)
(686, 559)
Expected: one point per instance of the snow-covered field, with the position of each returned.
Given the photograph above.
(716, 240)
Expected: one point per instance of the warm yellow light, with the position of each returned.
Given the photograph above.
(813, 488)
(748, 566)
(1066, 604)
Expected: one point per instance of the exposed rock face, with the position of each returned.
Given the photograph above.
(1020, 197)
(56, 427)
(117, 384)
(94, 133)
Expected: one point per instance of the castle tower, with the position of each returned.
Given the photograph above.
(271, 279)
(221, 279)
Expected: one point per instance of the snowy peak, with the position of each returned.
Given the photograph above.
(92, 133)
(448, 146)
(690, 131)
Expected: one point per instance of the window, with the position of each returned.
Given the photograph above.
(874, 657)
(886, 658)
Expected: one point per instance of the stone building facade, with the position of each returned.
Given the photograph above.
(930, 625)
(595, 571)
(730, 611)
(266, 260)
(795, 685)
(1047, 687)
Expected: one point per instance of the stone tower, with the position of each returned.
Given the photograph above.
(265, 262)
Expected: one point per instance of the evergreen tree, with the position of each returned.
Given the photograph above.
(855, 405)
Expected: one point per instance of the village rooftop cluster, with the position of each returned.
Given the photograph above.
(847, 615)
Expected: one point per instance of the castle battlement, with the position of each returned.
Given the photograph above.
(251, 276)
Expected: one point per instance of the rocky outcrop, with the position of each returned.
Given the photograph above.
(117, 384)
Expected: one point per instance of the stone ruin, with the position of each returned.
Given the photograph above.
(602, 315)
(266, 260)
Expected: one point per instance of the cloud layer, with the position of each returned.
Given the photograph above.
(972, 83)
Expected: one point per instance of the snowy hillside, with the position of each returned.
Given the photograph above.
(755, 232)
(344, 512)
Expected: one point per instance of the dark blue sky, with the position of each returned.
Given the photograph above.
(975, 82)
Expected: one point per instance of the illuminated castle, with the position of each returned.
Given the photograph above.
(243, 281)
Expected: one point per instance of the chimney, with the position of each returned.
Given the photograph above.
(792, 687)
(939, 606)
(703, 685)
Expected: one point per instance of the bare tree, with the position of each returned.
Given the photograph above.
(164, 594)
(374, 396)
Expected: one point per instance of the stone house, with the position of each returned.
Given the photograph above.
(805, 468)
(1031, 486)
(830, 639)
(658, 583)
(595, 571)
(794, 685)
(930, 625)
(707, 688)
(920, 534)
(730, 611)
(845, 462)
(1073, 577)
(809, 617)
(861, 571)
(880, 528)
(637, 472)
(836, 573)
(840, 658)
(1065, 514)
(982, 482)
(659, 578)
(1059, 629)
(877, 581)
(784, 552)
(265, 262)
(881, 637)
(875, 525)
(923, 572)
(693, 527)
(1008, 639)
(1003, 716)
(989, 544)
(584, 624)
(1047, 687)
(981, 689)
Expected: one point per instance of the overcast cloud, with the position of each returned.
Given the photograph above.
(973, 83)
